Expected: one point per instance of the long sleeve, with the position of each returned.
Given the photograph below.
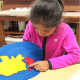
(27, 33)
(71, 47)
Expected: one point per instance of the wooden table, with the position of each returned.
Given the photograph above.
(68, 18)
(68, 73)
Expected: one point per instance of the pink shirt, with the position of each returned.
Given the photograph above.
(62, 40)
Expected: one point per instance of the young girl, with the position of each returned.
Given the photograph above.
(55, 38)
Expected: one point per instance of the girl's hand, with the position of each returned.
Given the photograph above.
(40, 66)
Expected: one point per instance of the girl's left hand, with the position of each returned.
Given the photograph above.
(40, 66)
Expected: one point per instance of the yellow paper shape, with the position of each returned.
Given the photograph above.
(11, 66)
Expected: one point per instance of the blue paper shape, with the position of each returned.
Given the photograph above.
(25, 49)
(0, 60)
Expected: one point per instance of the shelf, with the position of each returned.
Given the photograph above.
(9, 32)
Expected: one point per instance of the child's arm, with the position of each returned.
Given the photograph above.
(71, 47)
(27, 33)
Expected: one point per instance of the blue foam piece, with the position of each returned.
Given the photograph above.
(25, 49)
(0, 60)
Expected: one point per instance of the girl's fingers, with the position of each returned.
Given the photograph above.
(38, 69)
(41, 70)
(36, 66)
(32, 65)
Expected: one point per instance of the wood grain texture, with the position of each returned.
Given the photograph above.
(8, 4)
(77, 33)
(58, 74)
(71, 5)
(2, 36)
(71, 2)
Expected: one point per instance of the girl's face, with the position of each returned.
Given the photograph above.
(44, 32)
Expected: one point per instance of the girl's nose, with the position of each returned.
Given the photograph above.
(41, 33)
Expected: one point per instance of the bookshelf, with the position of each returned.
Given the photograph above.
(71, 16)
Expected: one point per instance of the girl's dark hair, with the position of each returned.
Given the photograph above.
(47, 12)
(60, 2)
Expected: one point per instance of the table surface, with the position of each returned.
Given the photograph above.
(68, 73)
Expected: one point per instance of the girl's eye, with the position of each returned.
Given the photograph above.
(35, 28)
(46, 31)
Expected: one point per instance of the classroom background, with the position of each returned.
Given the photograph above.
(14, 16)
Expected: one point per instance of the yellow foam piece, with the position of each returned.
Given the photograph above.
(11, 66)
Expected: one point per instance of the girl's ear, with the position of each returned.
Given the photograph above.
(62, 19)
